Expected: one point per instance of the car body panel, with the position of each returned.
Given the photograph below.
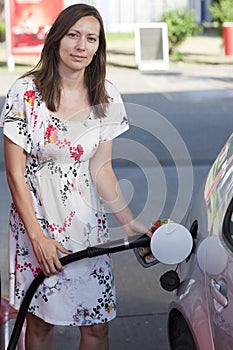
(205, 295)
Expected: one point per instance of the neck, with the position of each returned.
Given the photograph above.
(72, 80)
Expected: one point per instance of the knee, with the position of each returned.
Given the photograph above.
(37, 326)
(99, 331)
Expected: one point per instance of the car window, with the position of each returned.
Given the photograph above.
(228, 225)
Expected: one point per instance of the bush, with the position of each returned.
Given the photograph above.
(222, 11)
(2, 31)
(181, 24)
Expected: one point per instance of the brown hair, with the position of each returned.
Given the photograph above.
(46, 72)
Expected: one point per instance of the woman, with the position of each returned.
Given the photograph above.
(59, 121)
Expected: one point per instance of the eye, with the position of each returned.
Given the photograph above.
(92, 39)
(72, 35)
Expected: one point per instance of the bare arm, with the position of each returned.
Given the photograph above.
(45, 248)
(108, 189)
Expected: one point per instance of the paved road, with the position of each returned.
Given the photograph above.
(202, 118)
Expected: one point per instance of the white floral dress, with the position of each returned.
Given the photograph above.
(66, 204)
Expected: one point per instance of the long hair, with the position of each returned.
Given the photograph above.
(46, 72)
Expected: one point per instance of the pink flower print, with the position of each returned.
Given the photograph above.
(50, 134)
(30, 97)
(35, 271)
(55, 228)
(76, 152)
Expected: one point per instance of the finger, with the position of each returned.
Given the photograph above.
(48, 265)
(62, 249)
(42, 262)
(52, 266)
(58, 265)
(148, 233)
(45, 269)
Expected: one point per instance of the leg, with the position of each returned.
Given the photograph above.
(39, 334)
(94, 337)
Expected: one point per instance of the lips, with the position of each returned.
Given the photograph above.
(78, 57)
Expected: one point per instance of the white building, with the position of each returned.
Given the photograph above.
(121, 15)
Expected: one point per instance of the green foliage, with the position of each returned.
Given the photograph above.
(2, 31)
(181, 24)
(222, 11)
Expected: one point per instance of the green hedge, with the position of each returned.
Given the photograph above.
(181, 24)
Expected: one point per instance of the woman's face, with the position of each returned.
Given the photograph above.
(79, 45)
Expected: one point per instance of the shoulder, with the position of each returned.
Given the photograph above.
(23, 84)
(112, 91)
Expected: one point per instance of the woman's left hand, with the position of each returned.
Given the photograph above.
(135, 227)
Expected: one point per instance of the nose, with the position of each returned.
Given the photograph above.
(81, 44)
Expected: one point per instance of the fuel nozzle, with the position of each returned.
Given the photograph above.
(144, 254)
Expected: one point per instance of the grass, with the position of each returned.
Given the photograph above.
(119, 36)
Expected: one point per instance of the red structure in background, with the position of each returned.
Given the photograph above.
(228, 38)
(28, 22)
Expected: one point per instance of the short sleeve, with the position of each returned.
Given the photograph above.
(15, 116)
(116, 121)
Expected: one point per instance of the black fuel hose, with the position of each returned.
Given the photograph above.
(90, 252)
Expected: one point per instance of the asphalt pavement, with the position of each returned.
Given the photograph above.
(205, 76)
